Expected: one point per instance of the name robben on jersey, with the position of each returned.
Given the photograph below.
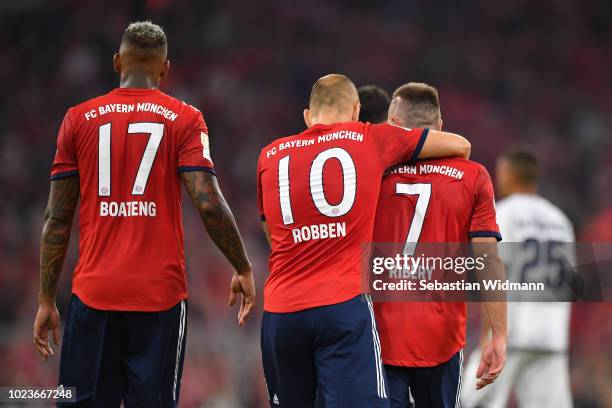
(320, 230)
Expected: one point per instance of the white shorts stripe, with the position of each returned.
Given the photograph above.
(380, 374)
(458, 395)
(375, 348)
(179, 348)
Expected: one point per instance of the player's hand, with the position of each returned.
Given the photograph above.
(47, 319)
(244, 286)
(491, 362)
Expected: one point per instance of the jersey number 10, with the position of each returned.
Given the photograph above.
(349, 178)
(156, 132)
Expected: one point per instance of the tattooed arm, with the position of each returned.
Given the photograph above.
(221, 226)
(63, 200)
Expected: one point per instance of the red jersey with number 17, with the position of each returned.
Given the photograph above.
(318, 192)
(442, 200)
(127, 148)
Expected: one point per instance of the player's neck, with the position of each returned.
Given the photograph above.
(329, 119)
(138, 81)
(525, 190)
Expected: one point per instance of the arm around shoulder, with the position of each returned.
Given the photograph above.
(444, 144)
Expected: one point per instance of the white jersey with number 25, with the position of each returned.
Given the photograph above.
(537, 233)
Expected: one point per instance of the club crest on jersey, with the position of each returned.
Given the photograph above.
(205, 145)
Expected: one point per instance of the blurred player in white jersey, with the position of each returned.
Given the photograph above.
(536, 233)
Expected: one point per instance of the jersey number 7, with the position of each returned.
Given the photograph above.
(423, 191)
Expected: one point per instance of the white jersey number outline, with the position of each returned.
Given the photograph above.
(155, 131)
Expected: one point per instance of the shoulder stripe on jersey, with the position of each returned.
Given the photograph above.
(419, 146)
(64, 174)
(481, 234)
(185, 169)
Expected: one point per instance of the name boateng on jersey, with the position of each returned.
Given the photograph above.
(128, 147)
(317, 192)
(442, 200)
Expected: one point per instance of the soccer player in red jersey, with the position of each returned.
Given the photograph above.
(317, 194)
(442, 200)
(125, 154)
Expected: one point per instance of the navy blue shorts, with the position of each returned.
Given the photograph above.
(328, 356)
(134, 357)
(426, 387)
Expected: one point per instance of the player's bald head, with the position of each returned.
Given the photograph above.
(143, 40)
(415, 105)
(333, 92)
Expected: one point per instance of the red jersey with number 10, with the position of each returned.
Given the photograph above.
(128, 147)
(318, 192)
(442, 200)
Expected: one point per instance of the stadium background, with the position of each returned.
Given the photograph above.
(507, 71)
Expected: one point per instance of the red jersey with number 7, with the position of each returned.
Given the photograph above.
(317, 191)
(127, 148)
(444, 201)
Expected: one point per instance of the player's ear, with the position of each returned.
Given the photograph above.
(165, 69)
(392, 120)
(440, 123)
(117, 63)
(307, 118)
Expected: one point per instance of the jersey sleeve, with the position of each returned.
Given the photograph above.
(483, 221)
(65, 161)
(397, 144)
(194, 151)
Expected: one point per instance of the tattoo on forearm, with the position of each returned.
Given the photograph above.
(217, 217)
(57, 226)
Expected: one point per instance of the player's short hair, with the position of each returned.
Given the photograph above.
(374, 104)
(333, 91)
(524, 164)
(145, 36)
(416, 104)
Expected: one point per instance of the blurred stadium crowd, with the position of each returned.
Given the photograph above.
(507, 71)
